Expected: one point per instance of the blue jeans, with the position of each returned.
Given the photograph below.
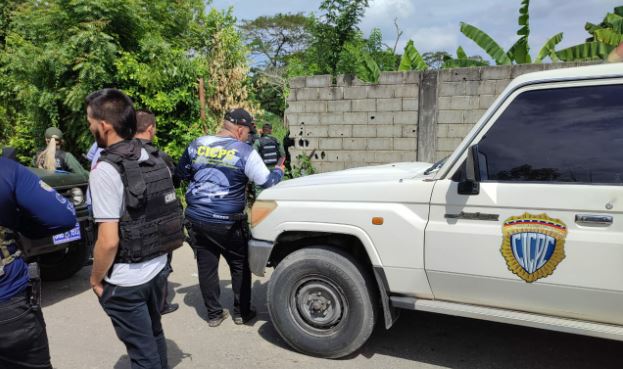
(135, 315)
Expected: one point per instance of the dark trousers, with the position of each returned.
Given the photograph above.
(23, 339)
(210, 241)
(135, 315)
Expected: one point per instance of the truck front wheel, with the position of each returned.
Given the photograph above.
(322, 302)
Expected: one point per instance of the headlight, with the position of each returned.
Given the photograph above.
(260, 210)
(76, 196)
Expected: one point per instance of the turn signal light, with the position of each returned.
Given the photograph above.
(378, 220)
(260, 210)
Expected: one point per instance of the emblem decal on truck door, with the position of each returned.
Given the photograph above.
(533, 245)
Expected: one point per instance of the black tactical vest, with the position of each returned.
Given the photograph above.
(269, 150)
(152, 220)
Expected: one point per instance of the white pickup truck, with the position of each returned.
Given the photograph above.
(522, 224)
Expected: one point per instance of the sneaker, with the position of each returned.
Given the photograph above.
(238, 319)
(169, 308)
(217, 321)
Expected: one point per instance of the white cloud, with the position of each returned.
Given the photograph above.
(435, 38)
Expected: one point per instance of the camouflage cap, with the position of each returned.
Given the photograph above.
(54, 132)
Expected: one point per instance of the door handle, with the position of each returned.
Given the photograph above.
(593, 220)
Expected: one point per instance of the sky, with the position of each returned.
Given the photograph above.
(433, 25)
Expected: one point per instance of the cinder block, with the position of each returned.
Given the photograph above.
(330, 144)
(460, 74)
(404, 144)
(355, 118)
(295, 107)
(354, 144)
(380, 92)
(444, 103)
(391, 78)
(486, 101)
(381, 118)
(471, 88)
(406, 117)
(355, 164)
(364, 105)
(500, 85)
(338, 106)
(364, 131)
(306, 143)
(315, 106)
(291, 96)
(448, 144)
(332, 118)
(330, 166)
(442, 154)
(442, 130)
(452, 89)
(464, 103)
(412, 76)
(410, 104)
(409, 130)
(331, 93)
(389, 104)
(309, 118)
(387, 156)
(341, 130)
(318, 81)
(450, 116)
(355, 92)
(473, 116)
(520, 69)
(487, 87)
(407, 91)
(388, 130)
(333, 155)
(459, 130)
(380, 143)
(365, 156)
(315, 131)
(292, 119)
(409, 155)
(307, 94)
(496, 72)
(297, 82)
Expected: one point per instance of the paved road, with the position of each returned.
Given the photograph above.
(81, 336)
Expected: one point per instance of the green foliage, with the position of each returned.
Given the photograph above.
(488, 44)
(411, 59)
(302, 167)
(278, 35)
(463, 61)
(336, 27)
(435, 59)
(55, 53)
(549, 49)
(604, 38)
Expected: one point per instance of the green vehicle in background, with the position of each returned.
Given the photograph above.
(63, 255)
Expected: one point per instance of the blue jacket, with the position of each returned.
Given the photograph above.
(219, 169)
(31, 207)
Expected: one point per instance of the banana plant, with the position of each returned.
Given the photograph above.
(605, 37)
(412, 59)
(463, 61)
(519, 53)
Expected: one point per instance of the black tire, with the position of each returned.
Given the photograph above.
(322, 302)
(63, 264)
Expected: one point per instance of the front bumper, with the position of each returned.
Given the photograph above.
(259, 253)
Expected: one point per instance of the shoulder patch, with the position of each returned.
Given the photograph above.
(45, 186)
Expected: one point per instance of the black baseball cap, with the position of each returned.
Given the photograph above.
(240, 117)
(267, 126)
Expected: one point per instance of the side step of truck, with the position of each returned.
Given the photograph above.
(565, 325)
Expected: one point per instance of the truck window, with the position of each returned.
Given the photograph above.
(562, 135)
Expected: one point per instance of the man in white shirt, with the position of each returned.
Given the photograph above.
(128, 274)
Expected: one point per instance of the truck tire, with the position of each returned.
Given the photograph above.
(63, 264)
(322, 302)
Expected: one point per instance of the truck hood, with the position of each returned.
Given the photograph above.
(378, 173)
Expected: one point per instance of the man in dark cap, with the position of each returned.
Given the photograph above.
(219, 168)
(269, 147)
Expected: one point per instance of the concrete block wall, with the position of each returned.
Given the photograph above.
(407, 116)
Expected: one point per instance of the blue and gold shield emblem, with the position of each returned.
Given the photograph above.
(533, 245)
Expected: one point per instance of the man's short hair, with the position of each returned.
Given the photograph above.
(144, 120)
(267, 126)
(114, 107)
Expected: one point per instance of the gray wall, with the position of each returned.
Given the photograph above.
(407, 116)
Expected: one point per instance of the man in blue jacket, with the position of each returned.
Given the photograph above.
(219, 168)
(32, 208)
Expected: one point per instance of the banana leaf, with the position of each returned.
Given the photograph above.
(460, 53)
(587, 51)
(549, 49)
(615, 21)
(485, 41)
(524, 19)
(367, 69)
(411, 59)
(464, 63)
(520, 52)
(608, 37)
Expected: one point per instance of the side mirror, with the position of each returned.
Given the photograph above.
(471, 184)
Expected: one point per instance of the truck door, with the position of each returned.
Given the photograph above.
(544, 231)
